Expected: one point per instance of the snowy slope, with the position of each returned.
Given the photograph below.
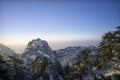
(69, 55)
(36, 48)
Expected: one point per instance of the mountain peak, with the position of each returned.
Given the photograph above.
(37, 43)
(39, 47)
(36, 47)
(5, 51)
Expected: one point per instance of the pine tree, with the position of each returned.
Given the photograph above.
(18, 70)
(105, 49)
(79, 68)
(84, 57)
(56, 70)
(4, 70)
(109, 49)
(116, 48)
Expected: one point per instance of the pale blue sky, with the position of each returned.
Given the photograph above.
(55, 21)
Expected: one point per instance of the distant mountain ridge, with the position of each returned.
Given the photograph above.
(38, 47)
(5, 51)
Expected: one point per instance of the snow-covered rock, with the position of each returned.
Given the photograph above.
(67, 56)
(36, 48)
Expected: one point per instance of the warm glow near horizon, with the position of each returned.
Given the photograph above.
(60, 24)
(19, 46)
(18, 42)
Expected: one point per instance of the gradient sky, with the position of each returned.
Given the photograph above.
(61, 23)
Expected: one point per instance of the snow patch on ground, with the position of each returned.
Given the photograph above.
(33, 45)
(39, 51)
(46, 55)
(33, 57)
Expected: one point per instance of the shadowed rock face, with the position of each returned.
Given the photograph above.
(6, 51)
